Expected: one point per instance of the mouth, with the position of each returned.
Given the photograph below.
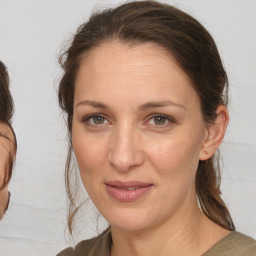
(127, 191)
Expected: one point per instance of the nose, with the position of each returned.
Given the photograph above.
(125, 152)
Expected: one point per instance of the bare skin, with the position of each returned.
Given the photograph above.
(137, 117)
(193, 235)
(6, 148)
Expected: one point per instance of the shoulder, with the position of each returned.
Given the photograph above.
(235, 244)
(98, 246)
(243, 244)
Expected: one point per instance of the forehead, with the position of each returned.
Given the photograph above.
(118, 57)
(147, 69)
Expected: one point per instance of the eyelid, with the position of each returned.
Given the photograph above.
(92, 115)
(162, 115)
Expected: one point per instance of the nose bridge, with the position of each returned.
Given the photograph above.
(125, 151)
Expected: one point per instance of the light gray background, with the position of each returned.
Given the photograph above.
(31, 34)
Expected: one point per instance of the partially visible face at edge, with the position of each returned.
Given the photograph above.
(137, 118)
(7, 150)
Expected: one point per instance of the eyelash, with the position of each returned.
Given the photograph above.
(167, 118)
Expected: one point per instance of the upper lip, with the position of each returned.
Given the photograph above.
(127, 184)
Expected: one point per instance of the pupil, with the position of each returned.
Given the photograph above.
(159, 120)
(98, 120)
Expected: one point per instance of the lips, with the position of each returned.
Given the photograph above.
(127, 191)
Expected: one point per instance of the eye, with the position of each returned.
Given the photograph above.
(98, 119)
(160, 120)
(95, 120)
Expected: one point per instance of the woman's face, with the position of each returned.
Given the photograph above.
(137, 134)
(7, 150)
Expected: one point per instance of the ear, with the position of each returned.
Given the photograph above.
(214, 133)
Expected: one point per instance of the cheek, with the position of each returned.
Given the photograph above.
(175, 157)
(174, 153)
(176, 164)
(90, 154)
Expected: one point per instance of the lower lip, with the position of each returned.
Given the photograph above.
(127, 195)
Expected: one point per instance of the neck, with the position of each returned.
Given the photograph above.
(191, 233)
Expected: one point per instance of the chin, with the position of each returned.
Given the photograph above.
(129, 220)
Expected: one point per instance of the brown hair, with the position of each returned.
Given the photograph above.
(6, 113)
(195, 51)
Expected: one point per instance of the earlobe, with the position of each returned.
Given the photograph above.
(215, 133)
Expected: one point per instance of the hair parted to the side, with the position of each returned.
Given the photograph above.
(6, 113)
(194, 50)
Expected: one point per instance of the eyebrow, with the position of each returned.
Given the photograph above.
(143, 107)
(92, 103)
(159, 104)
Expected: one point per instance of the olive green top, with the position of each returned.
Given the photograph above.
(234, 244)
